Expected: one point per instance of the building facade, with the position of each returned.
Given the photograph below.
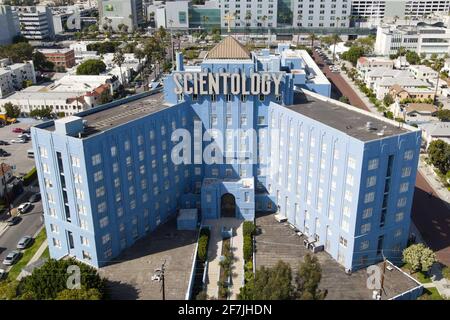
(241, 134)
(15, 76)
(63, 58)
(422, 39)
(36, 23)
(113, 13)
(8, 24)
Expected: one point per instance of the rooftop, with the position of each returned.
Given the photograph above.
(437, 129)
(278, 241)
(101, 119)
(229, 48)
(345, 118)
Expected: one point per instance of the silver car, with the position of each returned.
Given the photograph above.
(12, 258)
(25, 242)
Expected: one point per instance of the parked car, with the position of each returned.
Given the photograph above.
(35, 197)
(3, 274)
(13, 220)
(3, 153)
(27, 131)
(18, 141)
(24, 207)
(24, 136)
(12, 258)
(4, 143)
(17, 130)
(25, 242)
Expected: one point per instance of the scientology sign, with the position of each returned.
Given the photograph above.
(202, 83)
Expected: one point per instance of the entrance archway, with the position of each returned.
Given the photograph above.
(228, 205)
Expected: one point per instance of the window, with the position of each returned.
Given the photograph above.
(43, 152)
(78, 192)
(54, 228)
(100, 192)
(373, 164)
(404, 187)
(106, 238)
(75, 161)
(345, 225)
(365, 228)
(348, 196)
(369, 197)
(96, 159)
(113, 151)
(86, 255)
(401, 202)
(343, 241)
(104, 222)
(351, 163)
(98, 176)
(350, 179)
(371, 181)
(101, 207)
(76, 177)
(399, 216)
(406, 172)
(367, 213)
(84, 241)
(45, 168)
(409, 154)
(126, 145)
(398, 233)
(56, 243)
(364, 245)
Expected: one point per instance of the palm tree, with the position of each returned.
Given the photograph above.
(263, 20)
(312, 37)
(139, 54)
(248, 16)
(119, 59)
(438, 65)
(335, 37)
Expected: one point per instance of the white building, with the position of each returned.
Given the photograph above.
(113, 13)
(68, 95)
(380, 74)
(36, 23)
(9, 25)
(13, 76)
(382, 87)
(423, 72)
(435, 131)
(366, 64)
(420, 39)
(376, 11)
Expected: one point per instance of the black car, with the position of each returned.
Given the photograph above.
(3, 153)
(14, 220)
(35, 197)
(4, 143)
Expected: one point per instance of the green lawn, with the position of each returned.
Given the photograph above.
(430, 294)
(27, 255)
(419, 275)
(46, 254)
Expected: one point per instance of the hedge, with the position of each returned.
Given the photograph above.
(30, 176)
(202, 249)
(249, 229)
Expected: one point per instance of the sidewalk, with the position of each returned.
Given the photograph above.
(238, 264)
(35, 258)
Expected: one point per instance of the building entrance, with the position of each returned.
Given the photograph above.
(228, 206)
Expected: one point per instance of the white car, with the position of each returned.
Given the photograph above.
(18, 141)
(24, 207)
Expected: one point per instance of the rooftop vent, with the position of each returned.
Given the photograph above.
(370, 126)
(381, 133)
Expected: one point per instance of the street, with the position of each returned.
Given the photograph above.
(30, 224)
(430, 214)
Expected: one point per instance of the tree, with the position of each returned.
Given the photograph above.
(388, 100)
(439, 154)
(444, 115)
(412, 57)
(269, 284)
(419, 257)
(48, 281)
(8, 289)
(336, 39)
(312, 37)
(45, 112)
(308, 279)
(91, 67)
(353, 54)
(12, 111)
(41, 63)
(79, 294)
(344, 99)
(119, 59)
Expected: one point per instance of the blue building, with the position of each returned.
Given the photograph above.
(241, 134)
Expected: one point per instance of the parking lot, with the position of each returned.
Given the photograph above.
(18, 151)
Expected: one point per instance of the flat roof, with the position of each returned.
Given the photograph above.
(345, 118)
(278, 241)
(104, 119)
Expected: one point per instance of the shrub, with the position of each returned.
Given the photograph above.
(446, 273)
(202, 249)
(30, 176)
(249, 228)
(248, 248)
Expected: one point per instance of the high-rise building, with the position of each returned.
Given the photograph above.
(8, 24)
(239, 135)
(118, 13)
(36, 23)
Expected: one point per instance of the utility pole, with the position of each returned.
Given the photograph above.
(382, 275)
(163, 285)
